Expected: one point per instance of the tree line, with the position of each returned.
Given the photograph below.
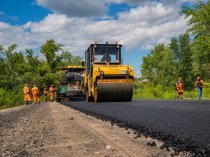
(20, 67)
(186, 56)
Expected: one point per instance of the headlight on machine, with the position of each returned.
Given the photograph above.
(127, 72)
(101, 73)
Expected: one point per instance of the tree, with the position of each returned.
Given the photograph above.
(76, 60)
(13, 61)
(158, 66)
(182, 56)
(66, 58)
(9, 56)
(50, 49)
(185, 68)
(1, 52)
(174, 49)
(199, 22)
(2, 63)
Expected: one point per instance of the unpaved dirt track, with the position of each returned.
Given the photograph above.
(52, 129)
(184, 124)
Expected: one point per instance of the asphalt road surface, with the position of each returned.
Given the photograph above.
(183, 125)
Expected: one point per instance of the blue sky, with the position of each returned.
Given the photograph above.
(78, 23)
(22, 11)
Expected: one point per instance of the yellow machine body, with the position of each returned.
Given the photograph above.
(107, 80)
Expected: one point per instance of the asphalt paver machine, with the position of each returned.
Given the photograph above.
(72, 83)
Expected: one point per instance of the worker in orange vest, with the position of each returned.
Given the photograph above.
(26, 92)
(52, 90)
(180, 88)
(35, 92)
(45, 94)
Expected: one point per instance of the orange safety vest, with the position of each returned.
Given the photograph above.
(179, 86)
(35, 90)
(51, 89)
(26, 90)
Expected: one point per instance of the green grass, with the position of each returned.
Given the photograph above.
(149, 91)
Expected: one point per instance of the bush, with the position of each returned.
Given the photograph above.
(10, 98)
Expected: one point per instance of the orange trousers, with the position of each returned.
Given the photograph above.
(36, 98)
(51, 95)
(27, 97)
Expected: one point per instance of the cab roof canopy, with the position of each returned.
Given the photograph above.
(96, 44)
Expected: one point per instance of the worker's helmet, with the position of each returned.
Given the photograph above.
(198, 78)
(180, 78)
(45, 88)
(34, 85)
(26, 85)
(51, 85)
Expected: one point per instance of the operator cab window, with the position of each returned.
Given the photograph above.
(101, 56)
(98, 54)
(113, 53)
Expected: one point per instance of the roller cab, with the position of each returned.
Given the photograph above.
(106, 79)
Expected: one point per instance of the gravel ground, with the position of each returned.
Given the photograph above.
(52, 129)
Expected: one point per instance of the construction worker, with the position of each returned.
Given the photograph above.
(45, 94)
(104, 58)
(26, 92)
(199, 85)
(180, 88)
(35, 92)
(52, 90)
(78, 83)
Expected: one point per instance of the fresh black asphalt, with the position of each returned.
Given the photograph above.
(184, 124)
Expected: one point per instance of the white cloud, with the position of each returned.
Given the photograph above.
(14, 34)
(150, 15)
(140, 28)
(51, 24)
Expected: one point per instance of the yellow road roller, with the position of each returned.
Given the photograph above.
(106, 78)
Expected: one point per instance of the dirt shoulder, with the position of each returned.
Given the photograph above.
(51, 129)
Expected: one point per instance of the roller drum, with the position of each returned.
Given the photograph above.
(114, 92)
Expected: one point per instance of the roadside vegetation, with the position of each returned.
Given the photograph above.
(19, 68)
(186, 56)
(150, 91)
